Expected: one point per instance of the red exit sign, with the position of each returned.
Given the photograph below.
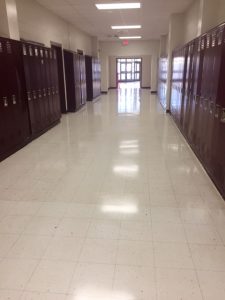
(125, 43)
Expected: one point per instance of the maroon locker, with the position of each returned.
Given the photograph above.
(77, 81)
(83, 80)
(218, 148)
(5, 94)
(27, 62)
(14, 130)
(44, 97)
(49, 86)
(55, 86)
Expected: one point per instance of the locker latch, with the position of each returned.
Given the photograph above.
(34, 95)
(28, 96)
(39, 94)
(211, 107)
(44, 92)
(217, 111)
(5, 101)
(223, 116)
(14, 99)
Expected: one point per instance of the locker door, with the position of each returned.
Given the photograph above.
(38, 103)
(4, 103)
(47, 89)
(216, 56)
(52, 84)
(27, 61)
(77, 81)
(70, 80)
(83, 80)
(49, 80)
(89, 78)
(18, 96)
(57, 109)
(194, 92)
(218, 147)
(200, 108)
(43, 91)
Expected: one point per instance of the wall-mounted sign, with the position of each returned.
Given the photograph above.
(125, 42)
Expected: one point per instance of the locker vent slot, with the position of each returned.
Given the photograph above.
(8, 48)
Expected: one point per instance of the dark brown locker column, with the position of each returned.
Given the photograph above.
(218, 146)
(201, 97)
(70, 80)
(14, 131)
(77, 78)
(89, 77)
(93, 77)
(83, 80)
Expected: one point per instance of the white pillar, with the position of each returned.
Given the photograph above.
(8, 19)
(104, 60)
(175, 39)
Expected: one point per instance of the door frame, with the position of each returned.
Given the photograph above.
(62, 83)
(128, 57)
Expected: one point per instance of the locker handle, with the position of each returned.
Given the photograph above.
(217, 111)
(28, 96)
(223, 116)
(5, 101)
(44, 92)
(39, 94)
(34, 95)
(211, 107)
(14, 99)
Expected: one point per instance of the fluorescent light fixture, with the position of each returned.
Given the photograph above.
(118, 5)
(127, 27)
(129, 37)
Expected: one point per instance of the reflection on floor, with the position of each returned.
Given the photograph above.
(110, 205)
(129, 85)
(129, 98)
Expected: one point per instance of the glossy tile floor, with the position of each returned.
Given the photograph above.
(110, 205)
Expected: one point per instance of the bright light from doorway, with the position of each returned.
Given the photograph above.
(118, 5)
(127, 27)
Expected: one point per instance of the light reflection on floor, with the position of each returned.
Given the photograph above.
(129, 98)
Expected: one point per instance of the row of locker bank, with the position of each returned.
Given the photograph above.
(32, 96)
(198, 99)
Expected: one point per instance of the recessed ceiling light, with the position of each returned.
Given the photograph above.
(129, 37)
(118, 5)
(126, 27)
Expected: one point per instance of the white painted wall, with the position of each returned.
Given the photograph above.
(146, 70)
(191, 21)
(146, 49)
(221, 13)
(201, 16)
(4, 27)
(39, 24)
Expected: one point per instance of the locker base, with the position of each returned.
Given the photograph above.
(36, 135)
(26, 142)
(6, 154)
(218, 187)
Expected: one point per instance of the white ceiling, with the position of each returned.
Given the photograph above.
(153, 16)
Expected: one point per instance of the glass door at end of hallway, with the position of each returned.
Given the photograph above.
(128, 70)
